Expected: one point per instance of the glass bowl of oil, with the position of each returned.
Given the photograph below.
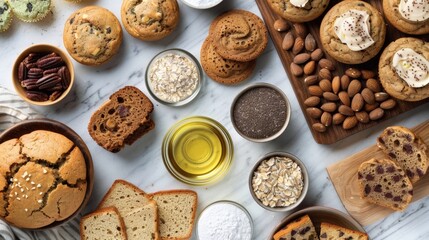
(197, 150)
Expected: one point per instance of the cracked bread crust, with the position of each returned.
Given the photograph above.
(390, 9)
(150, 20)
(35, 192)
(92, 35)
(312, 10)
(340, 51)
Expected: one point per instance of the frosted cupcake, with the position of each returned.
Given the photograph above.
(30, 10)
(408, 16)
(5, 15)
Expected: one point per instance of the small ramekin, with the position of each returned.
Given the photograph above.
(202, 6)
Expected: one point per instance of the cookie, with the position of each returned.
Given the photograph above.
(356, 44)
(150, 20)
(92, 35)
(5, 15)
(30, 10)
(223, 70)
(392, 82)
(298, 10)
(239, 35)
(402, 15)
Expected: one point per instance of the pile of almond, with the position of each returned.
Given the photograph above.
(347, 99)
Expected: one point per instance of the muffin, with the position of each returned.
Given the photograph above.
(5, 15)
(404, 69)
(30, 10)
(150, 20)
(42, 177)
(92, 35)
(352, 32)
(298, 10)
(408, 16)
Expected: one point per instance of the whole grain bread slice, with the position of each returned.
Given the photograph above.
(104, 224)
(176, 210)
(123, 119)
(142, 223)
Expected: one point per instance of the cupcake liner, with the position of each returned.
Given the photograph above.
(37, 18)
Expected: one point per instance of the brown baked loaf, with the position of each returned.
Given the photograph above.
(123, 119)
(384, 183)
(104, 224)
(330, 231)
(401, 145)
(301, 228)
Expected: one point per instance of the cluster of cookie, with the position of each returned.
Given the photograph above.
(236, 38)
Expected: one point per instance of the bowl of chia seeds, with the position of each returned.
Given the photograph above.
(260, 113)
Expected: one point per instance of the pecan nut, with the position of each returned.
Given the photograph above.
(48, 81)
(65, 77)
(37, 96)
(22, 71)
(50, 62)
(30, 84)
(35, 73)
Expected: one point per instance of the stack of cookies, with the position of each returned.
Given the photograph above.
(236, 38)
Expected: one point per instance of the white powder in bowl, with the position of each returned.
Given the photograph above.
(224, 221)
(202, 3)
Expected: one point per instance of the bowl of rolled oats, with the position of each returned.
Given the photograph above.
(279, 181)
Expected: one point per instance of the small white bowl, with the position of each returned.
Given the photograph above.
(201, 4)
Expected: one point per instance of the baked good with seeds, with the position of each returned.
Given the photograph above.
(352, 32)
(123, 119)
(143, 223)
(30, 10)
(150, 20)
(383, 182)
(301, 228)
(408, 150)
(5, 15)
(330, 231)
(298, 10)
(92, 35)
(104, 224)
(404, 69)
(410, 17)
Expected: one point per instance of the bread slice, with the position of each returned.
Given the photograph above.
(123, 119)
(103, 224)
(384, 183)
(176, 210)
(400, 144)
(142, 223)
(330, 231)
(301, 228)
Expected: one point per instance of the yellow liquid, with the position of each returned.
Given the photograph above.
(197, 149)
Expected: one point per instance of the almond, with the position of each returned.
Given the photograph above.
(325, 74)
(354, 87)
(336, 84)
(315, 91)
(388, 104)
(367, 74)
(330, 96)
(288, 41)
(326, 119)
(338, 118)
(311, 80)
(376, 114)
(370, 107)
(300, 29)
(362, 117)
(281, 25)
(316, 55)
(368, 96)
(353, 73)
(298, 45)
(329, 107)
(345, 110)
(326, 63)
(310, 67)
(381, 96)
(312, 101)
(373, 85)
(296, 70)
(350, 122)
(357, 102)
(310, 43)
(301, 58)
(314, 112)
(325, 85)
(344, 98)
(319, 127)
(345, 82)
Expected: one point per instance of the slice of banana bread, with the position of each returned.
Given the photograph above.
(384, 183)
(104, 223)
(400, 144)
(123, 119)
(330, 231)
(300, 229)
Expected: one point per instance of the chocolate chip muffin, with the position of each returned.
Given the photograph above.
(298, 10)
(150, 20)
(410, 17)
(92, 35)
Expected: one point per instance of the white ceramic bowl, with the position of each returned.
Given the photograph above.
(201, 4)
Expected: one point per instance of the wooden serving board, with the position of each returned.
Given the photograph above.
(333, 133)
(344, 177)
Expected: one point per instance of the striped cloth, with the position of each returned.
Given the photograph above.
(12, 110)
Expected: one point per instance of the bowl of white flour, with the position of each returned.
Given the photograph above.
(201, 4)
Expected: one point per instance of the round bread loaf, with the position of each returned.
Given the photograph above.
(42, 179)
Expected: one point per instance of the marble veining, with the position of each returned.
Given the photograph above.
(142, 164)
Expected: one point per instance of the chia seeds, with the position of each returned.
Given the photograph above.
(260, 112)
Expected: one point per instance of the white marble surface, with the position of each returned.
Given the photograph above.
(142, 164)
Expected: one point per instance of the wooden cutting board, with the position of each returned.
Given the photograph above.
(334, 133)
(344, 177)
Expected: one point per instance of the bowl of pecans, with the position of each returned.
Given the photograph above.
(279, 181)
(43, 74)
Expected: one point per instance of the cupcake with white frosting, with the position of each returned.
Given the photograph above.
(408, 16)
(298, 10)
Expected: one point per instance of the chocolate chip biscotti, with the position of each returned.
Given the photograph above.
(301, 228)
(330, 231)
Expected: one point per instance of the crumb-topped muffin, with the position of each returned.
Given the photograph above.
(298, 10)
(408, 16)
(42, 179)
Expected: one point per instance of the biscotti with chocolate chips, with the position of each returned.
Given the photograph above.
(123, 119)
(301, 228)
(330, 231)
(401, 145)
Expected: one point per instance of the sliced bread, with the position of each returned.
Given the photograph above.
(400, 144)
(383, 182)
(121, 120)
(142, 223)
(301, 228)
(330, 231)
(176, 210)
(103, 224)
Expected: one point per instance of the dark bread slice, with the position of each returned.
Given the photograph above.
(104, 223)
(401, 145)
(383, 182)
(330, 231)
(123, 119)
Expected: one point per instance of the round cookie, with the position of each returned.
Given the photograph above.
(222, 70)
(339, 50)
(391, 81)
(92, 35)
(5, 15)
(150, 20)
(311, 10)
(30, 10)
(391, 11)
(239, 35)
